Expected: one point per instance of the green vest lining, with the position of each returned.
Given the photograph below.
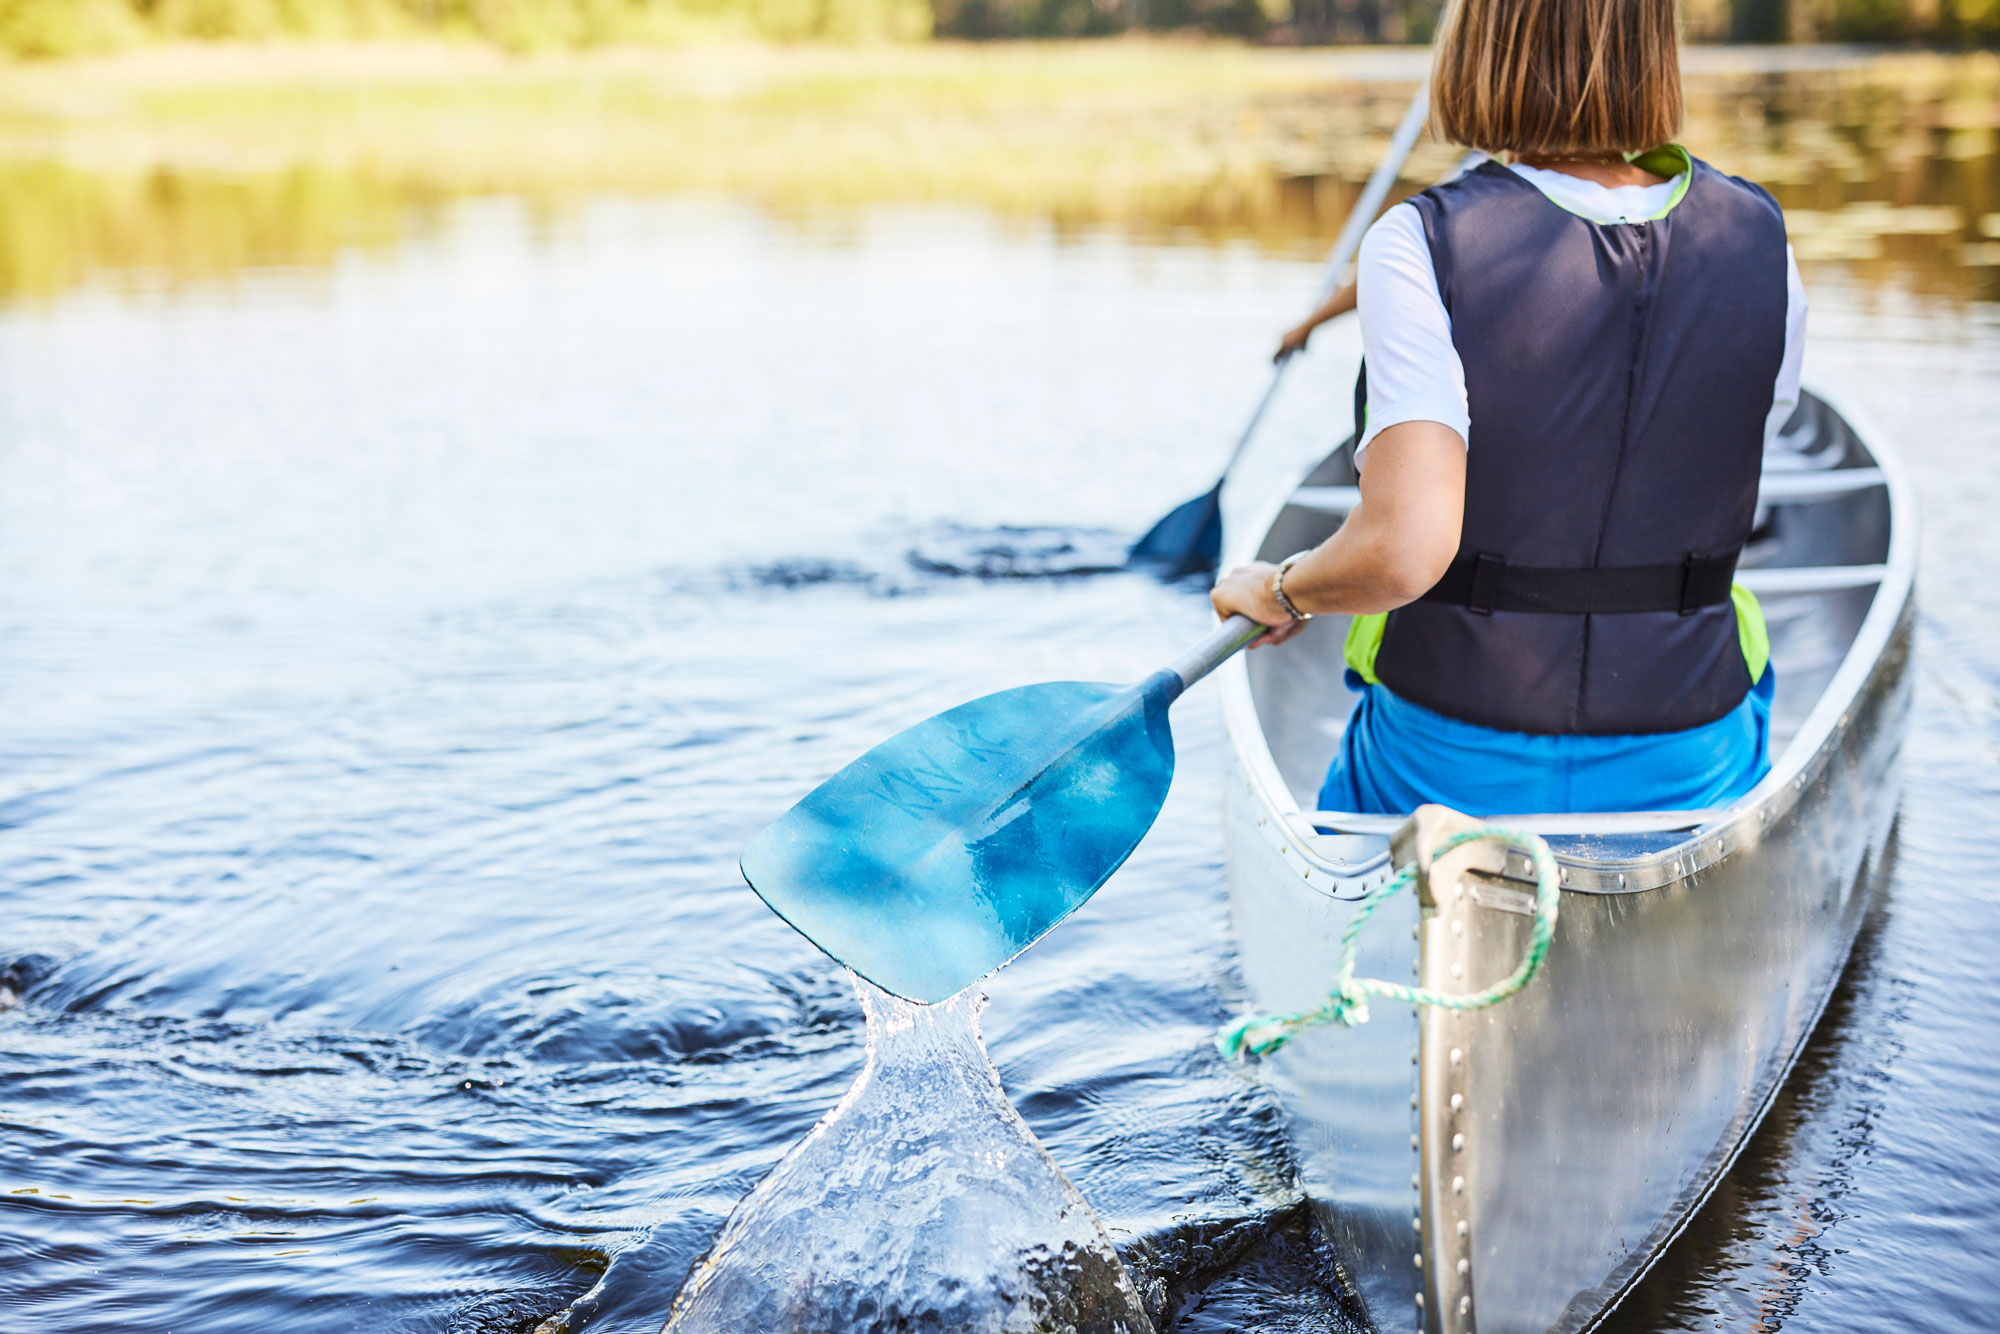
(1668, 160)
(1364, 637)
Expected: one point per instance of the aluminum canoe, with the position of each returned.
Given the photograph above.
(1516, 1171)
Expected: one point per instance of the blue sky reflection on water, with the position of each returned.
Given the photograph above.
(397, 659)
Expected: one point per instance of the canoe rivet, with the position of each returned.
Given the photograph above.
(1418, 1259)
(1464, 1228)
(1457, 1055)
(1413, 1058)
(1414, 1104)
(1562, 875)
(1461, 889)
(1457, 970)
(1465, 1306)
(1458, 1102)
(1416, 933)
(1621, 880)
(1420, 1301)
(1458, 1144)
(1416, 1225)
(1457, 927)
(1414, 1143)
(1458, 1185)
(1415, 1182)
(1464, 1268)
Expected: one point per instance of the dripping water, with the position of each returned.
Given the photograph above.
(922, 1201)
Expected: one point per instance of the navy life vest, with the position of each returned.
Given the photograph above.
(1618, 378)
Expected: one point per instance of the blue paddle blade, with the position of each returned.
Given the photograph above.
(953, 846)
(1187, 541)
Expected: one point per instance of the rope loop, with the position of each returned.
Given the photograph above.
(1347, 1004)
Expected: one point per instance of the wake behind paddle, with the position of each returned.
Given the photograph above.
(953, 846)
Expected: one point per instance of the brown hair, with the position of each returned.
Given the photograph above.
(1575, 78)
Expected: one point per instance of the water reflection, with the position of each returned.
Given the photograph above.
(398, 665)
(1887, 167)
(63, 227)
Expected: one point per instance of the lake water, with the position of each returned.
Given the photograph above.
(399, 650)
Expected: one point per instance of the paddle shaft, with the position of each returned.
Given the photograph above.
(1216, 649)
(1348, 242)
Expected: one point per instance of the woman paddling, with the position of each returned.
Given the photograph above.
(1573, 356)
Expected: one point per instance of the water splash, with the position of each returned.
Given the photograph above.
(921, 1202)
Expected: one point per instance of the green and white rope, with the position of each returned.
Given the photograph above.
(1347, 1003)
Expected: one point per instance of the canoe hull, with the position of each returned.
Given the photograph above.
(1601, 1105)
(1582, 1123)
(1604, 1106)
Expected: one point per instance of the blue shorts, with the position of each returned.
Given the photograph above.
(1398, 755)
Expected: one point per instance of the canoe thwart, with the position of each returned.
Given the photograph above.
(1774, 488)
(1778, 580)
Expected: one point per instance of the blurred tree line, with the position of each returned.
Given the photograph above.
(78, 27)
(70, 27)
(1314, 22)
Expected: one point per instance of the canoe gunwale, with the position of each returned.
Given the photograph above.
(1723, 833)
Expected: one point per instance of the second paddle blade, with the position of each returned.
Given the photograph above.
(1187, 541)
(953, 846)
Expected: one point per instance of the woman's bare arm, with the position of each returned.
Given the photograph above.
(1342, 301)
(1395, 545)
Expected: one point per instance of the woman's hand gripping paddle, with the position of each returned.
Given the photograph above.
(953, 846)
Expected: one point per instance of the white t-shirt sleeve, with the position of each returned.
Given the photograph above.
(1785, 395)
(1414, 373)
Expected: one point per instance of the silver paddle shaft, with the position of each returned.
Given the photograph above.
(1227, 638)
(1372, 194)
(1215, 650)
(1349, 241)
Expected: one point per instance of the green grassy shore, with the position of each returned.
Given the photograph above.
(188, 162)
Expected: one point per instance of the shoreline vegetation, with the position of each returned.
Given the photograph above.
(196, 163)
(66, 28)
